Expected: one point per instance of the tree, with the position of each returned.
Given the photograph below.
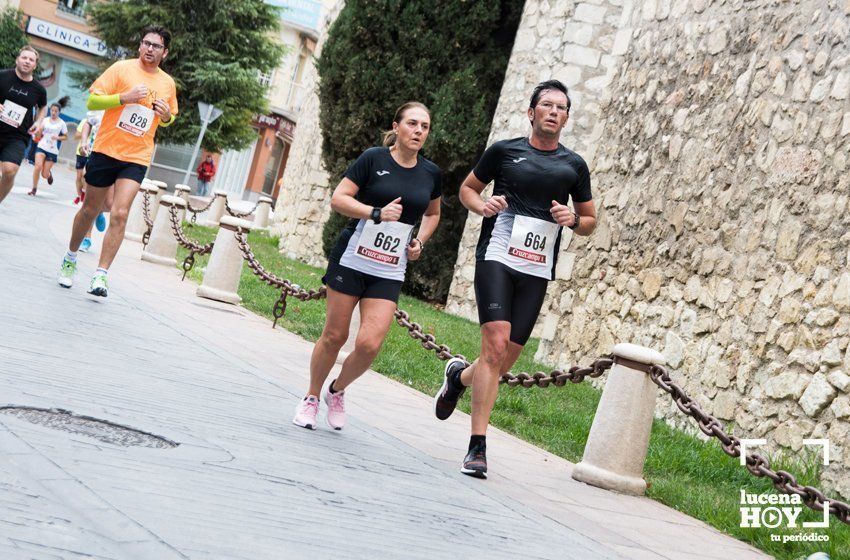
(217, 51)
(12, 36)
(449, 54)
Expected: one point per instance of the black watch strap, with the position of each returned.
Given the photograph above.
(578, 221)
(376, 215)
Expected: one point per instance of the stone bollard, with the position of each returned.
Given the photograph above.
(221, 279)
(162, 245)
(261, 216)
(136, 226)
(183, 192)
(619, 437)
(216, 211)
(161, 190)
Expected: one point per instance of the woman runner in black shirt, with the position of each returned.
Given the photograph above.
(385, 193)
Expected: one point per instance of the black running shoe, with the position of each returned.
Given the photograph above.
(475, 462)
(446, 399)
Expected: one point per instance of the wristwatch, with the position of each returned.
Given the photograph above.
(578, 221)
(376, 215)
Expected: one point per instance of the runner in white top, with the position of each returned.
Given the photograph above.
(385, 193)
(52, 131)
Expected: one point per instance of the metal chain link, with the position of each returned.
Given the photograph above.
(194, 248)
(195, 211)
(236, 214)
(757, 464)
(146, 213)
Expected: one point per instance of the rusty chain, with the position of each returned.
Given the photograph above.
(146, 213)
(194, 248)
(236, 214)
(756, 463)
(196, 211)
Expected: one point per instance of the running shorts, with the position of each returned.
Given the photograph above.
(504, 294)
(12, 150)
(102, 171)
(359, 284)
(81, 162)
(47, 155)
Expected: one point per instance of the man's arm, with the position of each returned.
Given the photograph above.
(470, 197)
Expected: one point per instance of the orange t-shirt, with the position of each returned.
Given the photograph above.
(126, 132)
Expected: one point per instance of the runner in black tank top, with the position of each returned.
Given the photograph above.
(535, 178)
(386, 192)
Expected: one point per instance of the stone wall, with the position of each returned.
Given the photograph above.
(304, 203)
(719, 160)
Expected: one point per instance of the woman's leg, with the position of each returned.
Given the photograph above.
(46, 167)
(337, 323)
(376, 316)
(36, 172)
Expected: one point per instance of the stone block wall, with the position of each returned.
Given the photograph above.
(304, 203)
(718, 138)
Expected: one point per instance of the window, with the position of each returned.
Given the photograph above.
(73, 7)
(265, 79)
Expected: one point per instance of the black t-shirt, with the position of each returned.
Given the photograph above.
(29, 95)
(381, 180)
(530, 179)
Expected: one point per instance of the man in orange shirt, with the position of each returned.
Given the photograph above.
(137, 97)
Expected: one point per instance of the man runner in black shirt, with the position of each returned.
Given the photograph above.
(534, 179)
(20, 93)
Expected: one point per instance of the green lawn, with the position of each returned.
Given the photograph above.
(684, 472)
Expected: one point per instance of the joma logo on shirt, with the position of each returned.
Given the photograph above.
(382, 173)
(519, 159)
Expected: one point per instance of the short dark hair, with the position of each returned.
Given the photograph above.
(547, 85)
(164, 33)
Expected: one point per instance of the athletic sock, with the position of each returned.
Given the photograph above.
(71, 256)
(331, 388)
(475, 440)
(100, 271)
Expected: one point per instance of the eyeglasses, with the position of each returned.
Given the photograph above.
(154, 46)
(548, 106)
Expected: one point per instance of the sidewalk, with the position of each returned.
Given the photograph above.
(244, 483)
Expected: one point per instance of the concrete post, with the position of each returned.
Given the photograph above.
(216, 211)
(183, 192)
(619, 437)
(136, 226)
(221, 279)
(261, 216)
(162, 190)
(162, 245)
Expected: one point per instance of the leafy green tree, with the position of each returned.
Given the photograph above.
(217, 50)
(12, 36)
(450, 55)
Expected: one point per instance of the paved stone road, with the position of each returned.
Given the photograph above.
(244, 482)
